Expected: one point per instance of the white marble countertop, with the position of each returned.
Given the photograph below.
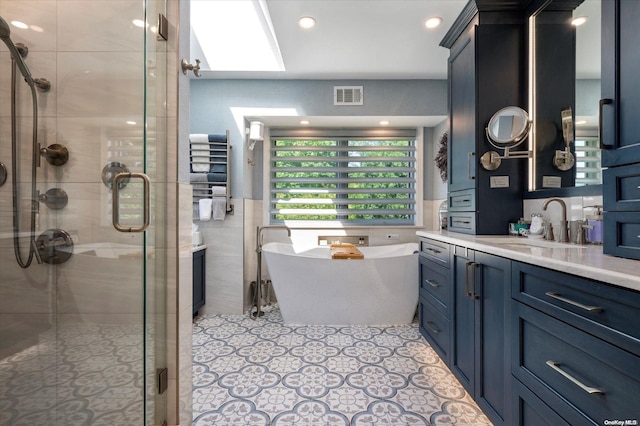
(586, 261)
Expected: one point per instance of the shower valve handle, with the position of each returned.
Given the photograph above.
(55, 154)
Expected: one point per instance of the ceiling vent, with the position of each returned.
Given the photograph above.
(348, 95)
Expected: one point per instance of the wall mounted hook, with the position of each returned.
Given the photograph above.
(186, 66)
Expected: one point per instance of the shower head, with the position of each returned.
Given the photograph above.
(4, 29)
(5, 33)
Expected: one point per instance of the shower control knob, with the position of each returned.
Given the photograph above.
(55, 154)
(54, 198)
(54, 246)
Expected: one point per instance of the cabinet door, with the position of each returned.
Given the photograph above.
(620, 65)
(492, 354)
(463, 359)
(199, 266)
(481, 358)
(462, 113)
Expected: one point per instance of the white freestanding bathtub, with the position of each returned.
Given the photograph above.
(314, 289)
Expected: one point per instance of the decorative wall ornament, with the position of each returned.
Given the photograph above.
(441, 157)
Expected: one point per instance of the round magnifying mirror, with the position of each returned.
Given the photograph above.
(508, 127)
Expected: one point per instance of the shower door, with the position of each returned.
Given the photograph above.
(83, 337)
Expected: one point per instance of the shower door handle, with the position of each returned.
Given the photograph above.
(115, 213)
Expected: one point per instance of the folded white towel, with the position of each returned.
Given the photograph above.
(200, 146)
(201, 154)
(198, 177)
(200, 168)
(199, 137)
(219, 208)
(218, 191)
(200, 160)
(204, 205)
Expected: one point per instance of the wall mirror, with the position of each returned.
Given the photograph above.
(507, 129)
(565, 76)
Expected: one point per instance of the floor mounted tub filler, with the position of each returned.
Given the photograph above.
(313, 289)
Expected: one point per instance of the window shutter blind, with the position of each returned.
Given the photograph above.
(357, 178)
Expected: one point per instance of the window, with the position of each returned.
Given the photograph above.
(588, 169)
(350, 177)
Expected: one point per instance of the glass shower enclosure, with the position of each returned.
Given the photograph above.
(82, 213)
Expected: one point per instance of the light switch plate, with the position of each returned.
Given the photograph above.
(551, 182)
(499, 181)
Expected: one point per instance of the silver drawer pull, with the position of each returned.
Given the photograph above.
(574, 303)
(589, 390)
(432, 328)
(432, 284)
(433, 250)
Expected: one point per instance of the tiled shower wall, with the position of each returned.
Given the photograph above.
(94, 57)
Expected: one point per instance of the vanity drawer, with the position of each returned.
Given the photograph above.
(464, 222)
(622, 234)
(435, 250)
(609, 312)
(623, 184)
(434, 326)
(584, 379)
(434, 284)
(529, 410)
(462, 200)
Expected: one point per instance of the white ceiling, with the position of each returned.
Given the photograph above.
(357, 39)
(371, 39)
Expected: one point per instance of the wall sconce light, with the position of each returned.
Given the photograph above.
(256, 133)
(564, 160)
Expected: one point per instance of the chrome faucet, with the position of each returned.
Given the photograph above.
(564, 224)
(258, 296)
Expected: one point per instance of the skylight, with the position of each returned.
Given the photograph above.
(235, 35)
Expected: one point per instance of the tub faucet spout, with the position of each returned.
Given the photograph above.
(257, 302)
(260, 236)
(564, 224)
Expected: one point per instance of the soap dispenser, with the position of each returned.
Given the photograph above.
(594, 226)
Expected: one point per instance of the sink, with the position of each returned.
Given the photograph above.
(522, 242)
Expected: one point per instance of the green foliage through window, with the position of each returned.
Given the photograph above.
(360, 181)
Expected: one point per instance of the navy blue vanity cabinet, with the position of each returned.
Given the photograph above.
(434, 306)
(576, 347)
(199, 279)
(620, 103)
(486, 74)
(481, 353)
(620, 132)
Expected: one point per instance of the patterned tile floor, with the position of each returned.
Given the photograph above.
(264, 372)
(76, 375)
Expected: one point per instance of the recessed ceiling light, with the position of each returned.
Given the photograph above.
(138, 23)
(433, 22)
(577, 21)
(19, 24)
(304, 122)
(131, 122)
(306, 22)
(384, 123)
(36, 28)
